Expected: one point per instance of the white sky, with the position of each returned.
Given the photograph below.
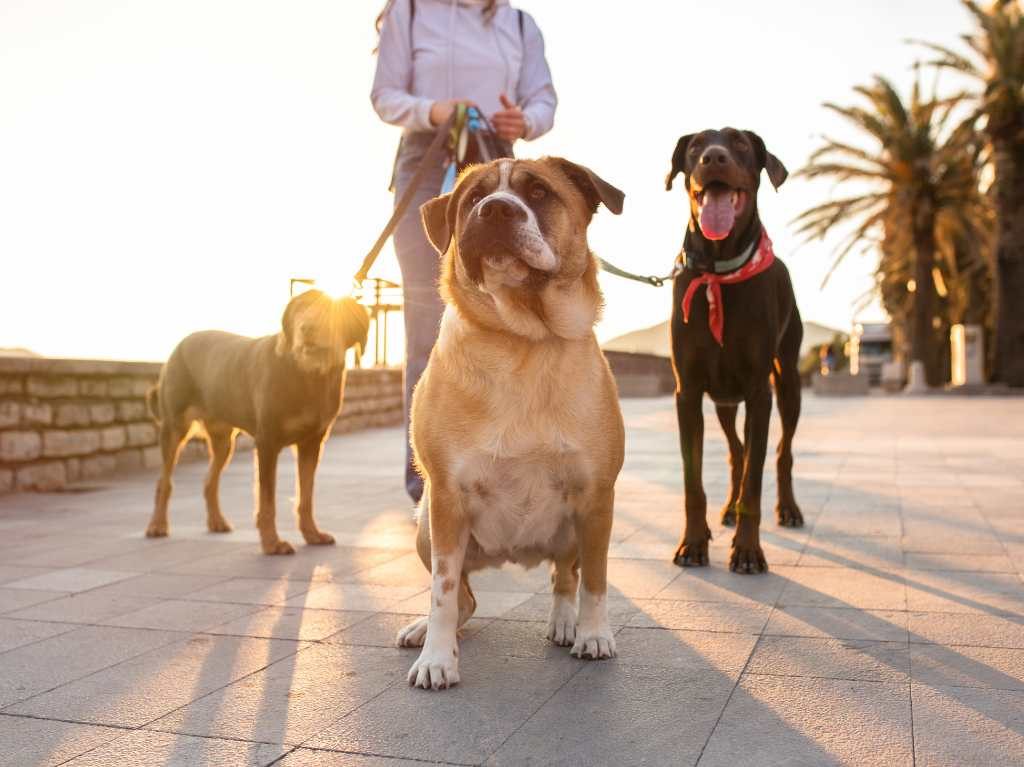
(167, 165)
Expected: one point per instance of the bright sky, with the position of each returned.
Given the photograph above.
(167, 166)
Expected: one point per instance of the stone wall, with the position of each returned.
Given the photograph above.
(641, 375)
(64, 421)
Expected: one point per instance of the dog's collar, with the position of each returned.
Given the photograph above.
(698, 262)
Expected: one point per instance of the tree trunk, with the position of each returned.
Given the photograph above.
(1009, 194)
(921, 329)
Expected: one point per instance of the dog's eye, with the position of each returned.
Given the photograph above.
(538, 192)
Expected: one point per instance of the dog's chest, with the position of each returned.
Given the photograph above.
(521, 507)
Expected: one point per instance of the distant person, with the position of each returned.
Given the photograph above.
(433, 55)
(828, 359)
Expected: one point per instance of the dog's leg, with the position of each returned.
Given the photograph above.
(308, 454)
(746, 555)
(438, 664)
(220, 442)
(594, 637)
(413, 634)
(172, 433)
(727, 418)
(266, 492)
(787, 391)
(693, 547)
(565, 581)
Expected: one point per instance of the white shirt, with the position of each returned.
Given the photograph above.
(452, 52)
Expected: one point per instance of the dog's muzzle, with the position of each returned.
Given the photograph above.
(502, 226)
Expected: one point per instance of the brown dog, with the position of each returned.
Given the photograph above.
(735, 324)
(516, 423)
(283, 389)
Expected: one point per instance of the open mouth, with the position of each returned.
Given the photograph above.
(718, 206)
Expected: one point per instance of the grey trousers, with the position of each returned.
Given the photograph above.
(420, 265)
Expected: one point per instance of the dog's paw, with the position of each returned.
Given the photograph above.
(789, 515)
(318, 538)
(594, 644)
(157, 530)
(435, 669)
(728, 516)
(413, 634)
(748, 560)
(218, 525)
(692, 553)
(562, 623)
(278, 547)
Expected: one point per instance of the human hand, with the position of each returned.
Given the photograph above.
(440, 111)
(509, 123)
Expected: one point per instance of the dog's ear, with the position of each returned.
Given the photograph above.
(678, 159)
(777, 172)
(594, 188)
(436, 222)
(355, 323)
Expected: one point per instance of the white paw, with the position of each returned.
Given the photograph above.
(435, 669)
(594, 644)
(413, 634)
(562, 623)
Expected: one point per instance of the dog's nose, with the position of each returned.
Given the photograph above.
(500, 208)
(713, 155)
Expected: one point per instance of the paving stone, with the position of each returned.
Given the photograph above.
(179, 615)
(695, 651)
(307, 757)
(832, 587)
(994, 563)
(351, 596)
(965, 592)
(700, 616)
(157, 748)
(838, 623)
(713, 584)
(966, 629)
(786, 721)
(43, 743)
(404, 722)
(48, 663)
(161, 585)
(89, 607)
(10, 573)
(289, 623)
(15, 599)
(254, 591)
(938, 666)
(515, 639)
(968, 726)
(15, 633)
(293, 699)
(151, 685)
(611, 714)
(831, 658)
(72, 579)
(538, 608)
(878, 553)
(489, 604)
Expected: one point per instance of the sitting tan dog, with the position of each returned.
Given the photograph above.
(516, 423)
(283, 389)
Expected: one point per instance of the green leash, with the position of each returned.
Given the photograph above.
(651, 280)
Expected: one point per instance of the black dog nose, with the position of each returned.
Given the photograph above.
(714, 154)
(501, 208)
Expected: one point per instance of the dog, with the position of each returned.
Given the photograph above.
(734, 325)
(516, 425)
(283, 389)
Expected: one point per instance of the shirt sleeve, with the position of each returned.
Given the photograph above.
(392, 82)
(535, 92)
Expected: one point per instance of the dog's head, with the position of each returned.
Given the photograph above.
(316, 330)
(722, 169)
(512, 228)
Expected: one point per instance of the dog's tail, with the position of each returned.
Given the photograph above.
(153, 402)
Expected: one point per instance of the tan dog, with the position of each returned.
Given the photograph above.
(516, 423)
(283, 389)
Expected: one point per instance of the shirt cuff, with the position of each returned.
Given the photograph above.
(528, 133)
(421, 115)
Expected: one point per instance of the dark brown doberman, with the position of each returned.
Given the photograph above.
(731, 348)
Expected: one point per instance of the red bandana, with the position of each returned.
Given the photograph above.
(762, 259)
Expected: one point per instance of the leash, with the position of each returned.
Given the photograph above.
(429, 160)
(651, 280)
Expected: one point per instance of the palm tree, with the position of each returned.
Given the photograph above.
(996, 62)
(914, 187)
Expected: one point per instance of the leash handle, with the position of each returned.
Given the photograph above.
(432, 155)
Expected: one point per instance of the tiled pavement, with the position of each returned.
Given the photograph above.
(890, 630)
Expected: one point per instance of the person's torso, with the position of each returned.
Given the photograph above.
(457, 53)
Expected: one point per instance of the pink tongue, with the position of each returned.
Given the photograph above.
(717, 214)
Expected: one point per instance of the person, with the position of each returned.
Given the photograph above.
(433, 55)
